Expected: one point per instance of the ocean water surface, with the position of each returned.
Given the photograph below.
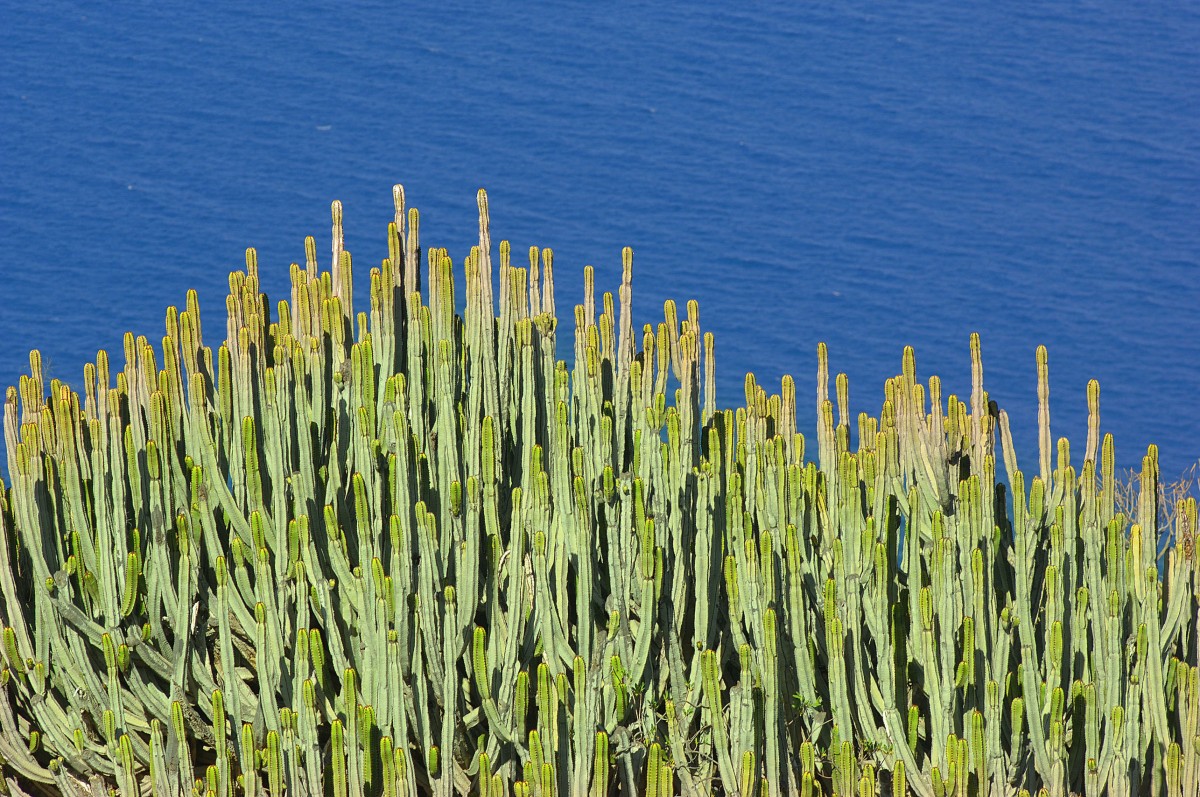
(872, 176)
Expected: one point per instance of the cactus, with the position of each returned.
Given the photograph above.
(406, 550)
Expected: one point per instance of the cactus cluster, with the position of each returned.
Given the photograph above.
(409, 551)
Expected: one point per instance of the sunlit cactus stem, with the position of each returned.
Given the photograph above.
(397, 546)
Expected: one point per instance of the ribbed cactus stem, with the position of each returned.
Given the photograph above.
(417, 536)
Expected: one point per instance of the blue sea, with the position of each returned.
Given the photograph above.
(870, 175)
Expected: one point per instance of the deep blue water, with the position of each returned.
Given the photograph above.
(905, 174)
